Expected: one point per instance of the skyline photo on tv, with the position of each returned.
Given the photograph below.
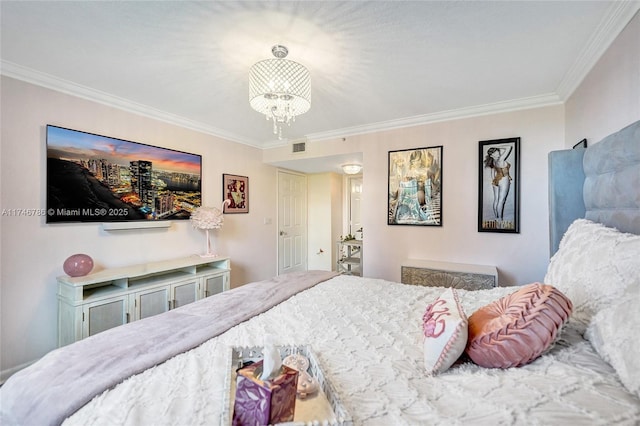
(94, 178)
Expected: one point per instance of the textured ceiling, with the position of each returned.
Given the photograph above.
(374, 65)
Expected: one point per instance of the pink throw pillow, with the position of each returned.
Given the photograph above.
(445, 332)
(518, 328)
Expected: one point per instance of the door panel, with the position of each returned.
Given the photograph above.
(102, 316)
(214, 285)
(152, 302)
(184, 293)
(292, 222)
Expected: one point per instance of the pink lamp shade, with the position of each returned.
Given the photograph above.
(78, 265)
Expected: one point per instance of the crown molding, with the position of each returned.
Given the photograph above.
(456, 114)
(615, 20)
(48, 81)
(418, 120)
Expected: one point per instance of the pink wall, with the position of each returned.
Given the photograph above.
(609, 97)
(520, 258)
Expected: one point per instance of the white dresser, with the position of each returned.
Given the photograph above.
(111, 297)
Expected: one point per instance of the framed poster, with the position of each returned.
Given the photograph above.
(415, 187)
(581, 144)
(236, 190)
(499, 186)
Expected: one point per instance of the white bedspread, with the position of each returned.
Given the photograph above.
(367, 335)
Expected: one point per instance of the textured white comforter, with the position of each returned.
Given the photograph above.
(367, 335)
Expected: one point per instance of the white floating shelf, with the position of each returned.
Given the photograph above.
(121, 226)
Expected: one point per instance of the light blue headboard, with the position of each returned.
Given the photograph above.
(600, 183)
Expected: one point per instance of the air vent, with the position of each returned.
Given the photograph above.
(299, 147)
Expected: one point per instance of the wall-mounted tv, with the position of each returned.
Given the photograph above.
(94, 178)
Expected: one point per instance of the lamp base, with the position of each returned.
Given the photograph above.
(208, 255)
(209, 252)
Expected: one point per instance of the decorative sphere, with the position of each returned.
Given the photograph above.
(78, 265)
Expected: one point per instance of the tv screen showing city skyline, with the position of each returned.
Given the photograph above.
(95, 178)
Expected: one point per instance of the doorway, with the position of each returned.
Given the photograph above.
(354, 203)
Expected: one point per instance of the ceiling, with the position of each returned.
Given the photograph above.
(374, 65)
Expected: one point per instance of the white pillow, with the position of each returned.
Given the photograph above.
(613, 334)
(593, 266)
(445, 328)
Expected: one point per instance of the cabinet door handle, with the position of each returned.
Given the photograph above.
(168, 305)
(127, 318)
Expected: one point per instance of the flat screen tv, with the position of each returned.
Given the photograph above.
(94, 178)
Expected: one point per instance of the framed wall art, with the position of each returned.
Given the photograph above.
(415, 187)
(236, 190)
(499, 186)
(581, 144)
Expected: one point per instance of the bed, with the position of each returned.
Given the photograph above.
(371, 336)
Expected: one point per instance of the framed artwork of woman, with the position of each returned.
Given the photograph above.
(235, 189)
(415, 187)
(499, 186)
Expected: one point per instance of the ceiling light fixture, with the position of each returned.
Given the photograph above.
(280, 89)
(351, 169)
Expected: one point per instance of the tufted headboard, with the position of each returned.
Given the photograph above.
(600, 183)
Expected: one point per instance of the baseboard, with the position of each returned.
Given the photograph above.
(5, 374)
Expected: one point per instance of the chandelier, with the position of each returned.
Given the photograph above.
(280, 89)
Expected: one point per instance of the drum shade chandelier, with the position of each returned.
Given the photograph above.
(280, 89)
